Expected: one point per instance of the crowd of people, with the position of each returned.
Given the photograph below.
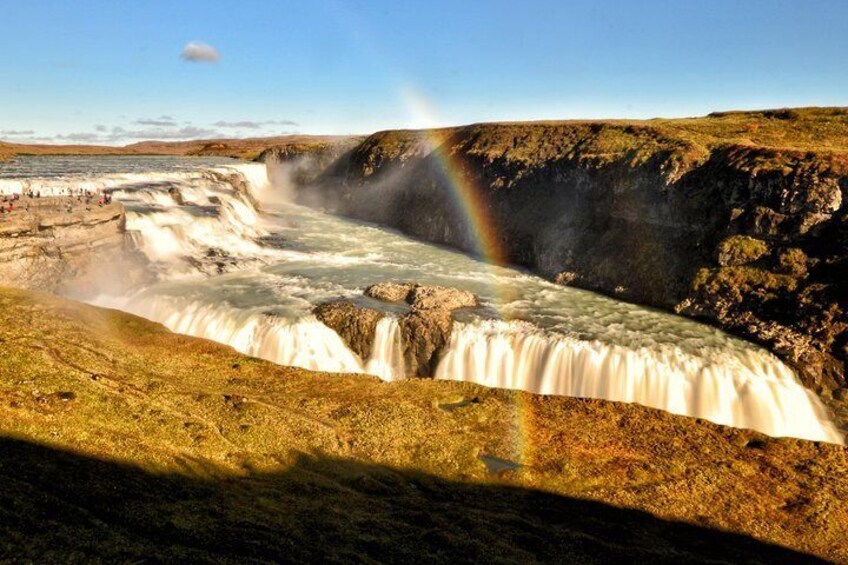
(7, 203)
(10, 203)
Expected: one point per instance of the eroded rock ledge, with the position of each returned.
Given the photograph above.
(47, 246)
(425, 329)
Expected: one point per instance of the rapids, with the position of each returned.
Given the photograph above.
(250, 278)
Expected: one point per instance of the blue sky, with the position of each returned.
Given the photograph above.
(112, 71)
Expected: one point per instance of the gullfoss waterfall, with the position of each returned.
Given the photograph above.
(250, 278)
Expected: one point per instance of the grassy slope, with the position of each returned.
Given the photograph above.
(678, 144)
(124, 441)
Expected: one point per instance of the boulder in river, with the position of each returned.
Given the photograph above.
(425, 329)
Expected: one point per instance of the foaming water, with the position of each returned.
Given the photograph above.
(300, 342)
(749, 390)
(303, 342)
(386, 359)
(250, 279)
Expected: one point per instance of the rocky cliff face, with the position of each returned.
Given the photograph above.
(737, 219)
(44, 246)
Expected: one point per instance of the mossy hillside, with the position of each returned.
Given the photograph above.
(741, 282)
(247, 148)
(184, 449)
(781, 138)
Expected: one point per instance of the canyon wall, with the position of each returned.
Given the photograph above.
(718, 219)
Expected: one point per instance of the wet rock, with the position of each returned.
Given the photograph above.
(423, 297)
(424, 334)
(440, 298)
(426, 329)
(566, 278)
(389, 291)
(354, 324)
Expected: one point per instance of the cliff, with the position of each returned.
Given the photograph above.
(736, 218)
(45, 246)
(114, 448)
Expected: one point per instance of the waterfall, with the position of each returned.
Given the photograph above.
(746, 390)
(304, 342)
(203, 222)
(189, 220)
(386, 359)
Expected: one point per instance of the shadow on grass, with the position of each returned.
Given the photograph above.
(57, 506)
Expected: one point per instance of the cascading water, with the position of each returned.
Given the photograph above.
(304, 342)
(386, 359)
(250, 280)
(750, 390)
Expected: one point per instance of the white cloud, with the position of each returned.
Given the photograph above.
(188, 132)
(87, 137)
(198, 52)
(162, 121)
(247, 124)
(16, 133)
(244, 124)
(120, 135)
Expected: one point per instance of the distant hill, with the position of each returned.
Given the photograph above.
(238, 148)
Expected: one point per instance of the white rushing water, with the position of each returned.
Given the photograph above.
(386, 359)
(250, 280)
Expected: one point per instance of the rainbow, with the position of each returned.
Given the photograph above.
(488, 246)
(468, 197)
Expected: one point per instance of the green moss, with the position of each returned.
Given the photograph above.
(740, 250)
(793, 262)
(741, 282)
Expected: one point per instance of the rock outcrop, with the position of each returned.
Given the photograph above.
(355, 325)
(425, 328)
(45, 246)
(738, 219)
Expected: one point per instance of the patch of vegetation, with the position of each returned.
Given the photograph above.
(793, 262)
(739, 250)
(742, 283)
